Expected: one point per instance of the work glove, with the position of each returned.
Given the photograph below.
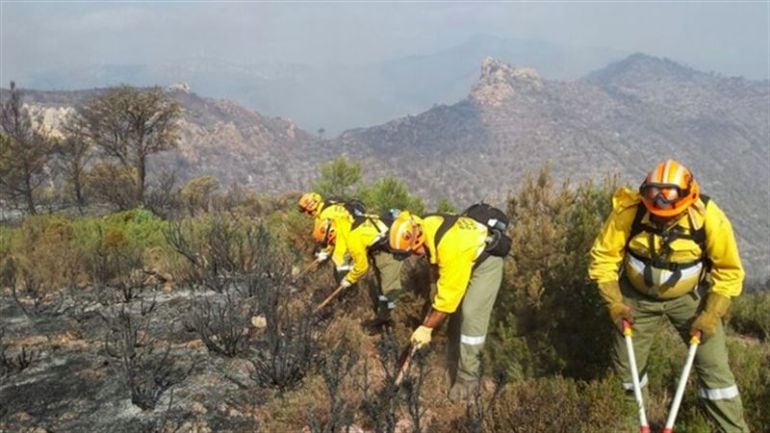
(421, 336)
(345, 283)
(708, 320)
(321, 256)
(619, 310)
(344, 268)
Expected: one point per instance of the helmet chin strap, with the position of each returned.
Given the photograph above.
(666, 220)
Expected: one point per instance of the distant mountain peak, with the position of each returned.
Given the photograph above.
(500, 81)
(641, 67)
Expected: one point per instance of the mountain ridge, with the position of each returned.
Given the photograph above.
(511, 123)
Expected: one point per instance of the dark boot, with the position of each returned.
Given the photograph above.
(383, 317)
(464, 391)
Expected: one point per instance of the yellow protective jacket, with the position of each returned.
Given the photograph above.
(455, 256)
(342, 220)
(369, 231)
(612, 249)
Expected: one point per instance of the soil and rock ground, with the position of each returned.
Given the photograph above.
(77, 378)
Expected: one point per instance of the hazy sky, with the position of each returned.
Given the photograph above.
(728, 37)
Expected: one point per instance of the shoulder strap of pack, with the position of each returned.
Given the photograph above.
(699, 236)
(636, 225)
(357, 221)
(449, 220)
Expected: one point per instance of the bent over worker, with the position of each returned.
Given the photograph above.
(668, 253)
(468, 281)
(312, 204)
(367, 240)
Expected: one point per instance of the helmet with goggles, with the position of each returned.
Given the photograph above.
(310, 203)
(324, 232)
(669, 189)
(406, 235)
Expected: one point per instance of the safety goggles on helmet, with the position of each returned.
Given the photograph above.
(669, 189)
(662, 196)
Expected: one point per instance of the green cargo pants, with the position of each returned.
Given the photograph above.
(387, 270)
(468, 326)
(717, 384)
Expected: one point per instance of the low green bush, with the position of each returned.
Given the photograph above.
(556, 404)
(750, 362)
(750, 315)
(548, 317)
(42, 248)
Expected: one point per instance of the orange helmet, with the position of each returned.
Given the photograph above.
(310, 203)
(406, 235)
(324, 233)
(669, 189)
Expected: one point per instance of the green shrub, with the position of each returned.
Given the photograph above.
(219, 250)
(6, 235)
(294, 229)
(338, 178)
(559, 405)
(118, 244)
(750, 362)
(43, 252)
(197, 194)
(389, 193)
(113, 184)
(547, 306)
(750, 315)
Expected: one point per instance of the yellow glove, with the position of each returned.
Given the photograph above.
(619, 311)
(421, 336)
(709, 318)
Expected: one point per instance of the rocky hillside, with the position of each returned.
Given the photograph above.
(335, 94)
(219, 138)
(621, 119)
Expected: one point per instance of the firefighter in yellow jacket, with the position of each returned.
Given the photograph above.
(668, 252)
(367, 239)
(312, 204)
(468, 281)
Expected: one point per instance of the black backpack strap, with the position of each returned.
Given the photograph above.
(699, 236)
(636, 226)
(483, 256)
(449, 221)
(358, 220)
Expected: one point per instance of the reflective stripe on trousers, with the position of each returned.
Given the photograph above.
(472, 341)
(629, 386)
(719, 393)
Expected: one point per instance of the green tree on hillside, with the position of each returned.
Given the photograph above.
(112, 183)
(338, 177)
(24, 151)
(73, 155)
(390, 193)
(129, 124)
(197, 194)
(550, 318)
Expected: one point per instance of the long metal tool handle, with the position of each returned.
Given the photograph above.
(628, 331)
(694, 342)
(405, 365)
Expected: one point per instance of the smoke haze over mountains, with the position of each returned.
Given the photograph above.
(337, 66)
